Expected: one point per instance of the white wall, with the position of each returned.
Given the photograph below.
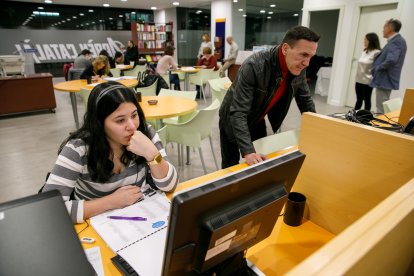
(239, 23)
(222, 9)
(347, 28)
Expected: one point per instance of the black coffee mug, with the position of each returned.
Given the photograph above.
(138, 96)
(294, 209)
(89, 80)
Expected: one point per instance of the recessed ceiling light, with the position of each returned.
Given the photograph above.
(269, 17)
(296, 14)
(153, 8)
(240, 9)
(272, 5)
(74, 17)
(244, 15)
(199, 11)
(124, 0)
(270, 12)
(176, 3)
(110, 18)
(132, 12)
(262, 11)
(235, 1)
(68, 19)
(40, 8)
(90, 10)
(106, 5)
(120, 15)
(81, 14)
(48, 1)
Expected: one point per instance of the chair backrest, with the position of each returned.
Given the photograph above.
(277, 141)
(392, 105)
(134, 72)
(84, 93)
(149, 90)
(163, 134)
(116, 72)
(217, 88)
(74, 74)
(201, 77)
(177, 93)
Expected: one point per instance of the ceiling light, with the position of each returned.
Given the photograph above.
(110, 18)
(81, 14)
(40, 8)
(120, 15)
(74, 17)
(153, 8)
(262, 11)
(48, 1)
(240, 9)
(132, 12)
(176, 3)
(296, 14)
(244, 15)
(272, 5)
(124, 0)
(90, 10)
(235, 1)
(68, 19)
(270, 12)
(269, 17)
(106, 5)
(199, 11)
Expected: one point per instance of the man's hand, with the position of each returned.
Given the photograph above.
(254, 158)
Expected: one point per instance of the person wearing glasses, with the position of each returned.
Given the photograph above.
(266, 84)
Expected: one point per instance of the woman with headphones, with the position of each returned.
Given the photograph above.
(112, 158)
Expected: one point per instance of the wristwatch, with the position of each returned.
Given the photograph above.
(157, 159)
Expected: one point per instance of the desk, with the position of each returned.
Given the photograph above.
(75, 86)
(186, 71)
(322, 83)
(166, 107)
(123, 67)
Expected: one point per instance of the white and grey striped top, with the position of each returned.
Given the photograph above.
(70, 172)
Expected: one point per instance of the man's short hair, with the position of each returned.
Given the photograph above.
(395, 24)
(85, 52)
(300, 32)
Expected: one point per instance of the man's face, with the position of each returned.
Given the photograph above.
(298, 57)
(387, 30)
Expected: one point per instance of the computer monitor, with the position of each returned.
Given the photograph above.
(212, 223)
(37, 237)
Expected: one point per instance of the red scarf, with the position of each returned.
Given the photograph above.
(281, 90)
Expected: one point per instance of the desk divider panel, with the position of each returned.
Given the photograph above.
(407, 107)
(349, 168)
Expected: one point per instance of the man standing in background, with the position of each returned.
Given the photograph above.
(231, 59)
(386, 69)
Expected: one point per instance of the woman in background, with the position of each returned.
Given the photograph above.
(363, 76)
(207, 60)
(105, 164)
(166, 63)
(100, 68)
(206, 43)
(110, 59)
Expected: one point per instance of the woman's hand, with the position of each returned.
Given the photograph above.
(141, 145)
(125, 196)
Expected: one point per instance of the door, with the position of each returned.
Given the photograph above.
(371, 19)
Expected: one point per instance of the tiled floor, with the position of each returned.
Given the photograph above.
(29, 144)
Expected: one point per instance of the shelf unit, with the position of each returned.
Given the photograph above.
(151, 39)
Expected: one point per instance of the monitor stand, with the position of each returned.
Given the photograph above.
(237, 265)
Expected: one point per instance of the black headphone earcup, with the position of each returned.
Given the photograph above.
(364, 116)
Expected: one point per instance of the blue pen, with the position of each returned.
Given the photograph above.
(128, 218)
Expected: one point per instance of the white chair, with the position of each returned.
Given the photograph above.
(148, 90)
(392, 105)
(182, 94)
(192, 132)
(217, 88)
(277, 141)
(135, 71)
(116, 72)
(11, 64)
(84, 93)
(200, 78)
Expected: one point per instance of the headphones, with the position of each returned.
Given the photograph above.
(365, 117)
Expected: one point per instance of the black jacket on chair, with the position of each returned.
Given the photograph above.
(251, 92)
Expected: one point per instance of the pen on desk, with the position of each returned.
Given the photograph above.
(128, 218)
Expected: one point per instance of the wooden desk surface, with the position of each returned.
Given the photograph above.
(187, 69)
(285, 248)
(166, 107)
(76, 85)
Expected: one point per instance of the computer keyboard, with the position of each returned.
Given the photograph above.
(123, 266)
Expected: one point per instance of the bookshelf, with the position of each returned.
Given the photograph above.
(151, 39)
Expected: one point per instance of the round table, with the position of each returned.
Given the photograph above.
(186, 70)
(166, 107)
(74, 86)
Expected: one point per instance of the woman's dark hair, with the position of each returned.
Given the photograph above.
(104, 52)
(169, 50)
(104, 99)
(300, 32)
(118, 54)
(373, 42)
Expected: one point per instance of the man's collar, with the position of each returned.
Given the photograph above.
(391, 37)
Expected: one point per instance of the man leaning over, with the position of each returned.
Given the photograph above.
(265, 85)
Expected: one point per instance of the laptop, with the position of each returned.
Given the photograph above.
(407, 107)
(37, 237)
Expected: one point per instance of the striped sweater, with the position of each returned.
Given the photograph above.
(70, 173)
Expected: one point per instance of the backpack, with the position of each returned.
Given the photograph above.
(149, 78)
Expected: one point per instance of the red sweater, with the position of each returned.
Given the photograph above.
(209, 63)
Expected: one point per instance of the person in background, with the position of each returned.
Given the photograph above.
(207, 60)
(166, 63)
(107, 163)
(206, 43)
(98, 69)
(265, 85)
(110, 59)
(363, 75)
(386, 69)
(118, 58)
(231, 59)
(131, 53)
(83, 60)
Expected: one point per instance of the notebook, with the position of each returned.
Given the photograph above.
(37, 237)
(140, 243)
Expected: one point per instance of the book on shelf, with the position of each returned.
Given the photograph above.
(140, 243)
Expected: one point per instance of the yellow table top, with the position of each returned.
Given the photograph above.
(124, 67)
(76, 85)
(285, 248)
(167, 106)
(187, 69)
